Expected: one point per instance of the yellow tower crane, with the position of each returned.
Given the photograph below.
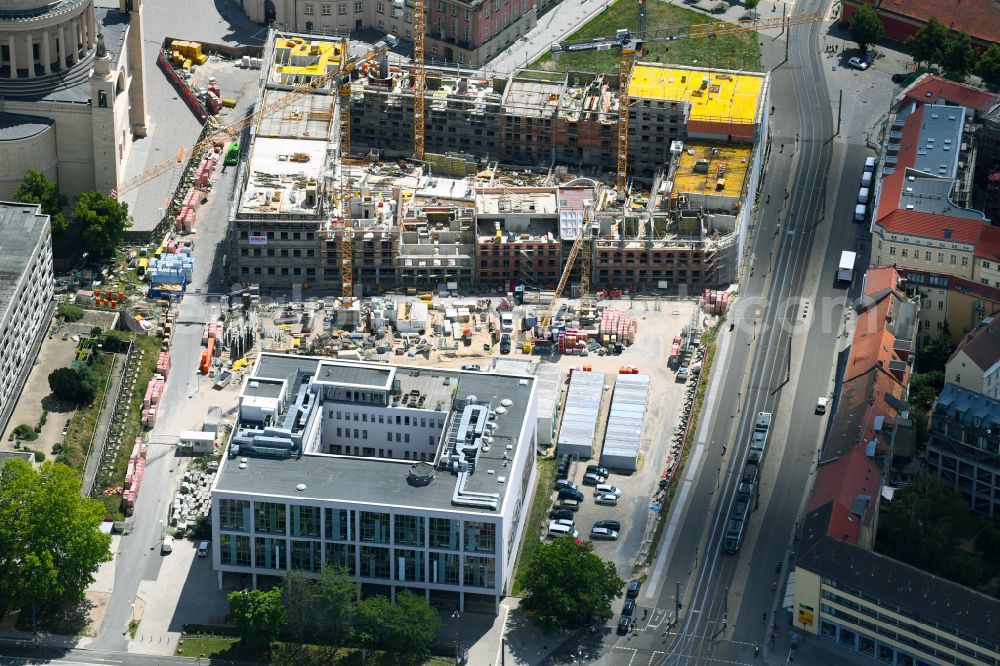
(419, 26)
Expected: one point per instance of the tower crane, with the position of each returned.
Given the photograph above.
(419, 26)
(633, 45)
(546, 319)
(379, 50)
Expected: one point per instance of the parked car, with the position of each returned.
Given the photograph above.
(563, 470)
(821, 403)
(565, 483)
(203, 549)
(683, 373)
(624, 624)
(507, 322)
(167, 546)
(597, 469)
(629, 608)
(472, 367)
(570, 493)
(899, 78)
(570, 504)
(607, 499)
(603, 533)
(610, 524)
(862, 62)
(561, 514)
(604, 488)
(593, 479)
(568, 522)
(505, 343)
(557, 530)
(633, 588)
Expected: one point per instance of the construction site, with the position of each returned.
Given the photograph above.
(507, 177)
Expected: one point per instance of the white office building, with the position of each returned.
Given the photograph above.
(25, 296)
(409, 477)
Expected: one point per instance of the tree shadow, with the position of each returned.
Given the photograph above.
(54, 405)
(529, 644)
(69, 619)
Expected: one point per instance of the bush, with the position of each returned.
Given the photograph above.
(70, 313)
(44, 418)
(25, 432)
(96, 331)
(76, 386)
(39, 456)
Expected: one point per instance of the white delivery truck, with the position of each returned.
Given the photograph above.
(859, 213)
(845, 271)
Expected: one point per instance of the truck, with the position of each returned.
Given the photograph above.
(845, 271)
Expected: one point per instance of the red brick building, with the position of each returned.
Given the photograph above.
(901, 18)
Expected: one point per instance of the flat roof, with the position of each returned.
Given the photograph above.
(940, 140)
(534, 98)
(354, 375)
(729, 96)
(277, 182)
(383, 481)
(304, 58)
(702, 166)
(528, 201)
(263, 388)
(309, 117)
(21, 225)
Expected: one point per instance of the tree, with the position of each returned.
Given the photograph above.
(70, 313)
(336, 598)
(568, 586)
(988, 67)
(76, 386)
(924, 389)
(50, 544)
(936, 353)
(36, 188)
(959, 57)
(925, 524)
(406, 627)
(751, 4)
(928, 44)
(258, 615)
(103, 222)
(866, 27)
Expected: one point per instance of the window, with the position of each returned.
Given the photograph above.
(940, 326)
(443, 568)
(965, 261)
(954, 259)
(480, 571)
(409, 565)
(409, 530)
(374, 562)
(892, 249)
(444, 533)
(468, 15)
(374, 527)
(305, 520)
(342, 555)
(305, 556)
(380, 8)
(326, 12)
(906, 252)
(480, 537)
(269, 517)
(927, 256)
(234, 550)
(940, 305)
(339, 524)
(270, 553)
(308, 10)
(940, 257)
(358, 7)
(341, 9)
(234, 515)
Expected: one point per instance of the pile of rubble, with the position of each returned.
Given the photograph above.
(194, 498)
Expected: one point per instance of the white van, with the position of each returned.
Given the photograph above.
(168, 545)
(557, 530)
(869, 164)
(859, 213)
(863, 195)
(506, 322)
(203, 549)
(866, 179)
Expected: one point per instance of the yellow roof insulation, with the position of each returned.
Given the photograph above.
(308, 58)
(710, 168)
(727, 97)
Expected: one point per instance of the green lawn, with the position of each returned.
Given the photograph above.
(739, 51)
(539, 509)
(228, 647)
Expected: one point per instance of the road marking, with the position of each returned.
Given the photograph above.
(634, 652)
(653, 656)
(678, 508)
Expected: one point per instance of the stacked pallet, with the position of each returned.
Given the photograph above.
(163, 364)
(150, 402)
(616, 326)
(133, 476)
(714, 302)
(571, 341)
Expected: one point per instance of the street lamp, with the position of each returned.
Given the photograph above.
(455, 615)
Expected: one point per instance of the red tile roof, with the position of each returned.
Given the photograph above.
(892, 184)
(942, 89)
(979, 18)
(982, 344)
(988, 246)
(931, 225)
(882, 277)
(841, 482)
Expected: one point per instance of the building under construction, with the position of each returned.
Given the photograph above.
(511, 163)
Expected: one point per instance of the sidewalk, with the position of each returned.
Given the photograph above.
(522, 643)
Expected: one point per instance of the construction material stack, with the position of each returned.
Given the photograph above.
(204, 173)
(211, 337)
(133, 476)
(163, 364)
(185, 54)
(715, 302)
(171, 271)
(188, 215)
(573, 341)
(150, 402)
(616, 327)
